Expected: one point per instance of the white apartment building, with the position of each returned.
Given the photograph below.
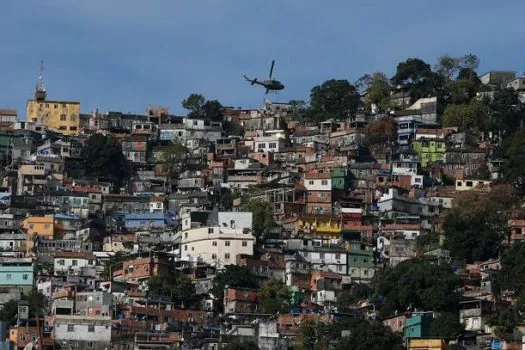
(216, 245)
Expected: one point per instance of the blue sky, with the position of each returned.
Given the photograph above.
(127, 54)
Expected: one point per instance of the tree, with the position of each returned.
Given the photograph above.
(505, 322)
(356, 293)
(198, 107)
(378, 92)
(418, 76)
(507, 113)
(447, 66)
(233, 276)
(477, 237)
(173, 159)
(103, 158)
(177, 288)
(382, 131)
(194, 104)
(512, 276)
(477, 225)
(364, 335)
(274, 297)
(213, 109)
(472, 116)
(514, 166)
(262, 217)
(446, 325)
(419, 284)
(37, 302)
(336, 99)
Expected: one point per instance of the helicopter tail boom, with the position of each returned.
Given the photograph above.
(252, 81)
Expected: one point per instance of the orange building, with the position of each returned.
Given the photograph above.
(41, 226)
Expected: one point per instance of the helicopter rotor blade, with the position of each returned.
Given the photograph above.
(271, 69)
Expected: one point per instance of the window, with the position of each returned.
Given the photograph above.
(214, 243)
(90, 262)
(311, 182)
(73, 128)
(8, 276)
(210, 230)
(70, 328)
(91, 328)
(214, 256)
(244, 243)
(227, 256)
(47, 226)
(25, 276)
(321, 255)
(226, 243)
(324, 182)
(272, 145)
(459, 183)
(55, 106)
(63, 127)
(74, 262)
(469, 183)
(61, 262)
(337, 256)
(63, 118)
(185, 247)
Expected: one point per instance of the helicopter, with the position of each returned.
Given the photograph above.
(270, 84)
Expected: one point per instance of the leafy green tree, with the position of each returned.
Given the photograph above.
(198, 107)
(173, 159)
(194, 104)
(103, 158)
(213, 109)
(419, 284)
(418, 76)
(274, 297)
(37, 303)
(446, 325)
(353, 295)
(364, 335)
(262, 217)
(507, 113)
(447, 66)
(177, 288)
(505, 323)
(472, 116)
(512, 276)
(477, 237)
(514, 166)
(233, 276)
(336, 99)
(477, 225)
(379, 91)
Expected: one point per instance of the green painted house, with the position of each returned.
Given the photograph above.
(429, 151)
(360, 261)
(339, 178)
(417, 325)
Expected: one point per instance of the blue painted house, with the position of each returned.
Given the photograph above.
(17, 272)
(144, 220)
(417, 325)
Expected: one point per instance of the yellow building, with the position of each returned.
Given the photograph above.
(427, 344)
(61, 116)
(42, 226)
(319, 226)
